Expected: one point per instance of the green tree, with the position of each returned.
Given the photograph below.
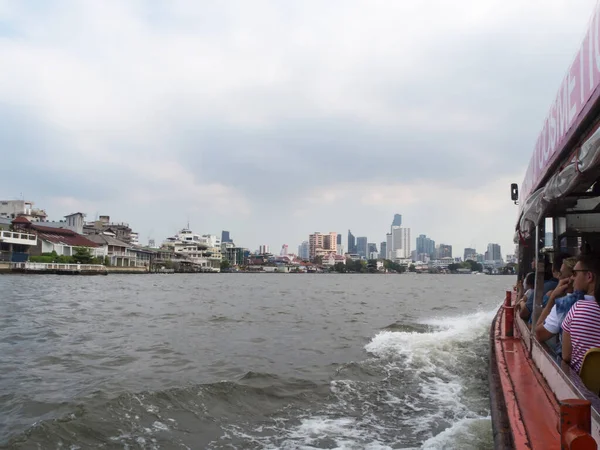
(225, 265)
(339, 267)
(412, 268)
(83, 255)
(473, 265)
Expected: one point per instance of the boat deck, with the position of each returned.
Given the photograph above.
(532, 409)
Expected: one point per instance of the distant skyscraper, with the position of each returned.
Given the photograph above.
(388, 246)
(339, 239)
(304, 251)
(445, 251)
(371, 248)
(225, 236)
(493, 253)
(425, 246)
(351, 243)
(361, 246)
(470, 253)
(397, 222)
(284, 250)
(383, 250)
(263, 249)
(400, 242)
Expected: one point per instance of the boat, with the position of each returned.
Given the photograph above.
(538, 400)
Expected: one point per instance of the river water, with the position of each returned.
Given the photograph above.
(289, 361)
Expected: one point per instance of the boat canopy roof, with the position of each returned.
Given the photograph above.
(558, 158)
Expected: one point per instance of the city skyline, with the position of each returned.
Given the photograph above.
(270, 134)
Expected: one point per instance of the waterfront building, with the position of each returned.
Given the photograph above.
(204, 252)
(11, 209)
(321, 244)
(42, 239)
(103, 225)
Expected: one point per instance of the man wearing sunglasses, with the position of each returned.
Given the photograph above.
(581, 327)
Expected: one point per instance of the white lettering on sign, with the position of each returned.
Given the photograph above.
(569, 107)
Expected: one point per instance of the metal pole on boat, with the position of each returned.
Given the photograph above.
(539, 273)
(576, 425)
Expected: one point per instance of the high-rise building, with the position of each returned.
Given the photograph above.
(371, 248)
(351, 243)
(445, 251)
(383, 250)
(361, 246)
(263, 249)
(225, 236)
(470, 253)
(401, 247)
(304, 251)
(339, 239)
(388, 246)
(425, 246)
(315, 241)
(330, 241)
(493, 253)
(397, 222)
(320, 244)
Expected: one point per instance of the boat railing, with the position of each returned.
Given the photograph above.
(579, 406)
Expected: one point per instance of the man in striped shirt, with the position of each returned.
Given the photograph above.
(581, 327)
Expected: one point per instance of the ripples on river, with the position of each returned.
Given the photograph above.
(246, 361)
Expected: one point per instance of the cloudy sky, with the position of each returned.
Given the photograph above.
(274, 119)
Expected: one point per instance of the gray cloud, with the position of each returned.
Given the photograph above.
(278, 119)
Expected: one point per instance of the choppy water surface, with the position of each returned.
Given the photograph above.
(246, 361)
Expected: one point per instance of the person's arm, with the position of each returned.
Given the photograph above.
(542, 334)
(566, 346)
(558, 292)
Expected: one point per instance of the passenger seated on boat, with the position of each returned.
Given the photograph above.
(557, 304)
(529, 286)
(581, 327)
(551, 273)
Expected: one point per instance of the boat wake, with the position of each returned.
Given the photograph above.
(422, 386)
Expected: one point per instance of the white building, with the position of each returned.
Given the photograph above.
(400, 247)
(304, 251)
(204, 251)
(11, 209)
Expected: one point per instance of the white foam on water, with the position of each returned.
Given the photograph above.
(435, 411)
(463, 434)
(432, 358)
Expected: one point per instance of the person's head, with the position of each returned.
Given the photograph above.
(557, 264)
(586, 273)
(530, 280)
